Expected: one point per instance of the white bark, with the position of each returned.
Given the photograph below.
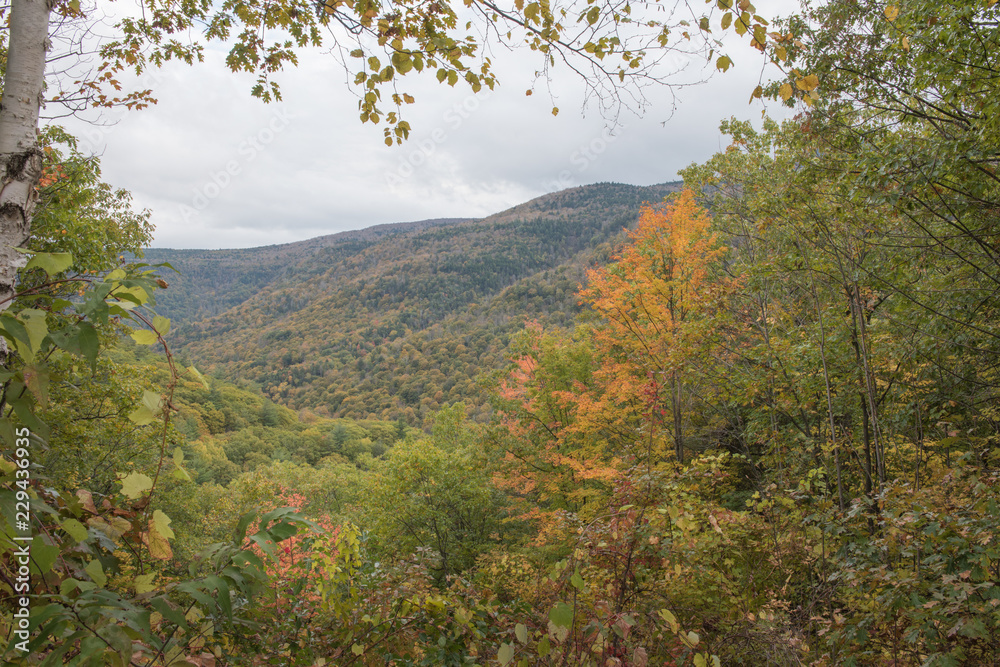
(20, 157)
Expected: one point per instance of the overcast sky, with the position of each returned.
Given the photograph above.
(220, 169)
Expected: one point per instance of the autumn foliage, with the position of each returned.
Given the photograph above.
(659, 303)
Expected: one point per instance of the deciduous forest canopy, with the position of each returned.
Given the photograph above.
(749, 418)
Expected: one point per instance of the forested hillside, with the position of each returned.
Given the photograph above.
(209, 282)
(759, 427)
(397, 321)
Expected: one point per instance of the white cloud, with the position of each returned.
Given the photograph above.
(220, 169)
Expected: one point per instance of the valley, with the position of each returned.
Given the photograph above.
(396, 321)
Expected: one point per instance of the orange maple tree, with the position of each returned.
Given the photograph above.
(659, 303)
(580, 411)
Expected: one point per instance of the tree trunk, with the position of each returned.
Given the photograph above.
(678, 417)
(20, 156)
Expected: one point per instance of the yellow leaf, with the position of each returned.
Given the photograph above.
(136, 484)
(891, 12)
(144, 583)
(161, 522)
(807, 83)
(785, 91)
(157, 545)
(144, 337)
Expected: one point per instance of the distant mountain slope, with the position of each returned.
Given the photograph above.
(210, 282)
(393, 324)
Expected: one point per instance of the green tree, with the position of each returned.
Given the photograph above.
(432, 496)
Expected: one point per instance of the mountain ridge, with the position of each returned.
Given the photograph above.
(394, 323)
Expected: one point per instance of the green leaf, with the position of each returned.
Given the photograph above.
(135, 294)
(136, 484)
(179, 472)
(162, 605)
(80, 340)
(241, 527)
(402, 62)
(144, 337)
(561, 615)
(147, 409)
(96, 573)
(120, 642)
(225, 602)
(7, 432)
(505, 654)
(521, 632)
(51, 262)
(14, 331)
(43, 556)
(68, 586)
(161, 325)
(25, 411)
(282, 531)
(577, 581)
(35, 326)
(75, 529)
(357, 649)
(266, 545)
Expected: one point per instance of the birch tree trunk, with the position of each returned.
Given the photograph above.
(20, 156)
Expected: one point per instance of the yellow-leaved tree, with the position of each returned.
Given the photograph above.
(659, 303)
